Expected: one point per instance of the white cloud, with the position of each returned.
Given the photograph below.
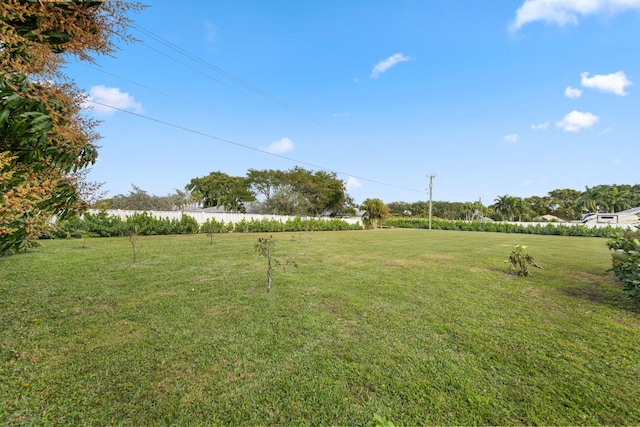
(563, 12)
(282, 146)
(383, 66)
(353, 183)
(576, 120)
(571, 92)
(102, 98)
(540, 126)
(614, 82)
(211, 32)
(511, 138)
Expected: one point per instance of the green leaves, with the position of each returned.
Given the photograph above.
(375, 212)
(220, 189)
(43, 135)
(520, 261)
(625, 257)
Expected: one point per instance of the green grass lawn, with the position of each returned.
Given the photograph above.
(418, 326)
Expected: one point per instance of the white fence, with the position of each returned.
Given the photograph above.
(202, 217)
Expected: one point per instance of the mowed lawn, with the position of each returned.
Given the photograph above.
(417, 326)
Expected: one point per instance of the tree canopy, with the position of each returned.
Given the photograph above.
(44, 137)
(563, 203)
(220, 189)
(375, 212)
(294, 192)
(139, 199)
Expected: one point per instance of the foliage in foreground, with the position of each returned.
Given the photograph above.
(625, 256)
(500, 227)
(44, 138)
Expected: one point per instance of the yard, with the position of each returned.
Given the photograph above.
(416, 326)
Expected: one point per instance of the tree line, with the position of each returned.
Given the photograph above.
(293, 192)
(306, 193)
(566, 204)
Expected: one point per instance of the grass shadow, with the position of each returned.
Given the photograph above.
(607, 293)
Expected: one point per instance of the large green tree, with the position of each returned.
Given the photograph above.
(43, 136)
(220, 189)
(564, 203)
(538, 206)
(299, 191)
(265, 182)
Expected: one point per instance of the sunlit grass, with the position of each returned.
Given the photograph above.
(422, 327)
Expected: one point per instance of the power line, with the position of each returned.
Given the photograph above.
(248, 147)
(216, 69)
(237, 80)
(159, 92)
(233, 78)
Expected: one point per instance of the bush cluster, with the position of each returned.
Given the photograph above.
(104, 225)
(296, 224)
(625, 257)
(501, 227)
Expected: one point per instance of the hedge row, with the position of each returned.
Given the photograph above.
(103, 225)
(501, 227)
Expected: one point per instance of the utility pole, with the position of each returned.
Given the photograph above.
(433, 175)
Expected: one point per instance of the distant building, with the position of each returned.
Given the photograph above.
(628, 217)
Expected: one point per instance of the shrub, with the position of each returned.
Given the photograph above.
(625, 257)
(69, 228)
(104, 225)
(520, 261)
(503, 227)
(187, 225)
(211, 226)
(148, 225)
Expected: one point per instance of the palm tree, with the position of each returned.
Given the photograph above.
(619, 199)
(504, 205)
(375, 212)
(606, 198)
(520, 207)
(468, 210)
(591, 199)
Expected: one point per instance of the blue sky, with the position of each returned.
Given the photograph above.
(500, 97)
